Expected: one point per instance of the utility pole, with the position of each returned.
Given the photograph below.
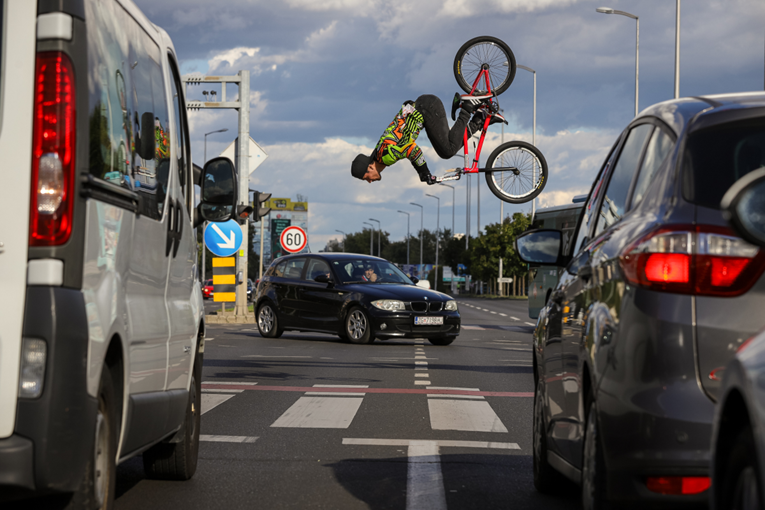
(407, 236)
(371, 236)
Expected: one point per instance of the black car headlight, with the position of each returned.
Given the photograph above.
(451, 305)
(389, 305)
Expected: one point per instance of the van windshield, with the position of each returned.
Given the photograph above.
(717, 157)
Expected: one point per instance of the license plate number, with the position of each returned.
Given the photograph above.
(428, 321)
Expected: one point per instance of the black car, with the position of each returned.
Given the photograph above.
(357, 297)
(657, 294)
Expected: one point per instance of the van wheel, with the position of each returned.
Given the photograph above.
(358, 328)
(97, 488)
(268, 322)
(178, 461)
(442, 340)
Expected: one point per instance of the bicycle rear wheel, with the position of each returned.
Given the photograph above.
(525, 181)
(485, 52)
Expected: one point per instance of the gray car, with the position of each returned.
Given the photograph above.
(656, 296)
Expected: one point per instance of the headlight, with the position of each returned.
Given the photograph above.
(451, 305)
(388, 304)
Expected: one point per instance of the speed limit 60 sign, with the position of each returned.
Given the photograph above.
(293, 239)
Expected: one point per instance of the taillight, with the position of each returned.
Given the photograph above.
(678, 485)
(702, 260)
(53, 139)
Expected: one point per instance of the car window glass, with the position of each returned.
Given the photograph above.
(293, 268)
(615, 197)
(655, 154)
(316, 267)
(178, 131)
(368, 271)
(279, 269)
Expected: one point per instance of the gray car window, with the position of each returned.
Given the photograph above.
(655, 154)
(615, 198)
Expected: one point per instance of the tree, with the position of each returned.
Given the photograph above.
(498, 242)
(358, 242)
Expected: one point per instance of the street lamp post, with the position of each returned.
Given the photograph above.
(533, 133)
(438, 228)
(379, 235)
(467, 210)
(608, 10)
(344, 235)
(371, 236)
(452, 187)
(407, 236)
(421, 217)
(677, 50)
(204, 250)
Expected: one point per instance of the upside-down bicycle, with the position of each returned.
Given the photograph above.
(516, 171)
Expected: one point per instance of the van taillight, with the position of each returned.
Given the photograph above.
(53, 139)
(703, 260)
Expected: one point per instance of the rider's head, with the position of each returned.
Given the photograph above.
(366, 168)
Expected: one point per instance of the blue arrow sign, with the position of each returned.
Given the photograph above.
(223, 239)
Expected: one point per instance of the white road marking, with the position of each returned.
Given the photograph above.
(515, 318)
(517, 349)
(476, 328)
(230, 382)
(227, 439)
(420, 362)
(320, 413)
(444, 395)
(530, 324)
(333, 394)
(421, 383)
(452, 388)
(503, 314)
(420, 357)
(212, 400)
(212, 390)
(470, 416)
(341, 386)
(495, 313)
(272, 356)
(425, 481)
(421, 375)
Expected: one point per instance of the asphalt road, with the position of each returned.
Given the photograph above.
(306, 421)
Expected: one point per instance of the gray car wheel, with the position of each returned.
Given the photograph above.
(268, 323)
(358, 328)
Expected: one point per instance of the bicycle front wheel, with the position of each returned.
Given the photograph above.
(527, 174)
(480, 53)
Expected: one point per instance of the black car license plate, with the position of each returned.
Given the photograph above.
(428, 321)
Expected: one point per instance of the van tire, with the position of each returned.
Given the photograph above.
(103, 455)
(178, 461)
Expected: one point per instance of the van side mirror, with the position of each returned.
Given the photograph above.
(743, 206)
(147, 143)
(540, 247)
(219, 190)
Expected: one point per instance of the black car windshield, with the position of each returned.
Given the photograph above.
(717, 157)
(368, 271)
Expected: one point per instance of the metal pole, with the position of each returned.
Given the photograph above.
(421, 226)
(677, 51)
(478, 206)
(452, 187)
(407, 236)
(344, 234)
(262, 228)
(608, 10)
(467, 212)
(637, 61)
(371, 236)
(379, 235)
(438, 228)
(204, 225)
(534, 141)
(502, 184)
(243, 166)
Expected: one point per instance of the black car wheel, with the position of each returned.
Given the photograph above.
(358, 328)
(739, 486)
(546, 479)
(442, 340)
(593, 465)
(268, 323)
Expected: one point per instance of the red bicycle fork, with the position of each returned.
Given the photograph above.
(472, 169)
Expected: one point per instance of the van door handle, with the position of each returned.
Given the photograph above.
(171, 218)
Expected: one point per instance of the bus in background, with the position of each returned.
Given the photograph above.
(542, 280)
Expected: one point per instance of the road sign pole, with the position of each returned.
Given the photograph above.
(242, 165)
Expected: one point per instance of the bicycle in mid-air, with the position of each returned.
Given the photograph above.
(516, 171)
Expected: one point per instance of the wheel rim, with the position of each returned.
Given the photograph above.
(357, 324)
(521, 182)
(589, 464)
(266, 319)
(101, 459)
(489, 54)
(747, 496)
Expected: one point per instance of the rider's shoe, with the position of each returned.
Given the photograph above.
(468, 102)
(496, 118)
(480, 117)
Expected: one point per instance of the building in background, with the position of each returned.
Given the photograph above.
(284, 213)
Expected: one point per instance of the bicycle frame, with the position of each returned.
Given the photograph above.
(454, 175)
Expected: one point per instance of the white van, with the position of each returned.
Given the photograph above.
(101, 312)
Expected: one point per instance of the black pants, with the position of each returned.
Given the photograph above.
(445, 141)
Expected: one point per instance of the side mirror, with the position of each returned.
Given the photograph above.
(414, 279)
(219, 190)
(147, 143)
(743, 206)
(322, 278)
(540, 247)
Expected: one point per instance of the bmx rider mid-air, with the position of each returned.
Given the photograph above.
(398, 140)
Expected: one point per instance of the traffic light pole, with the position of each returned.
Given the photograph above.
(242, 104)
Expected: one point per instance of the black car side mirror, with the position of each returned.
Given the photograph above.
(743, 206)
(414, 279)
(540, 247)
(219, 191)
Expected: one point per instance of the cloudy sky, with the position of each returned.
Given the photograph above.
(328, 76)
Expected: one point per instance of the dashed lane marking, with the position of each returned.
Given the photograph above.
(330, 390)
(530, 324)
(422, 383)
(227, 439)
(470, 416)
(212, 400)
(325, 412)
